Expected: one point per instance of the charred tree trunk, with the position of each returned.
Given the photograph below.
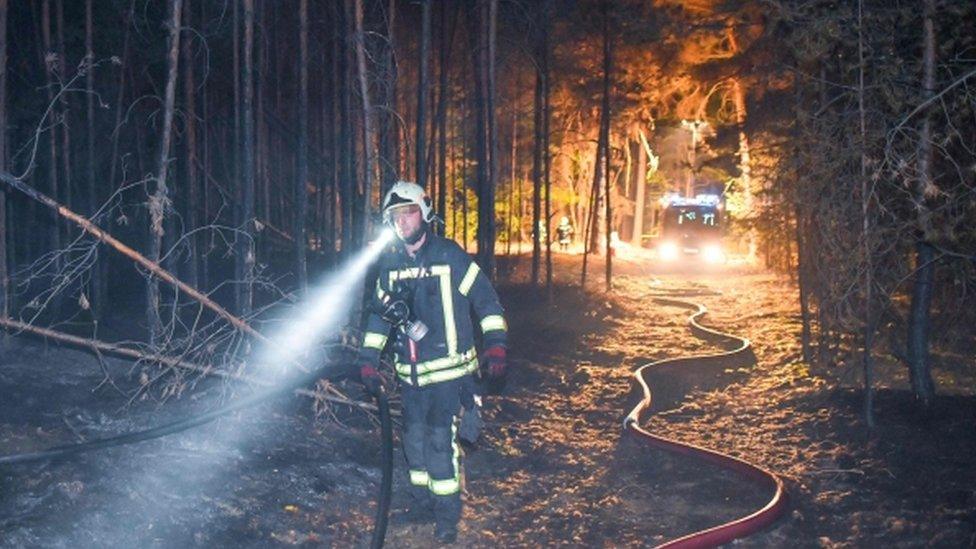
(546, 157)
(97, 283)
(537, 150)
(236, 155)
(447, 41)
(92, 202)
(4, 235)
(803, 275)
(868, 329)
(919, 321)
(65, 126)
(423, 85)
(208, 237)
(388, 124)
(347, 173)
(512, 176)
(367, 117)
(487, 201)
(245, 259)
(301, 177)
(54, 234)
(477, 37)
(159, 201)
(191, 181)
(263, 142)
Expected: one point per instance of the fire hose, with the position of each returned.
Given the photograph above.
(738, 528)
(386, 483)
(386, 429)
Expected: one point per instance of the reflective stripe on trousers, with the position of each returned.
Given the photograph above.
(430, 444)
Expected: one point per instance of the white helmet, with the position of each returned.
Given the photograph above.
(406, 192)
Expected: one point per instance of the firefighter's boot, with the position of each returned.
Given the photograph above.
(445, 533)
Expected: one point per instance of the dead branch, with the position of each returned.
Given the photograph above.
(328, 392)
(132, 254)
(118, 350)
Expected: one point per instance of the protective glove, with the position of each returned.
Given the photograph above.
(370, 379)
(494, 359)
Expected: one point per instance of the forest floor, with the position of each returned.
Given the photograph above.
(553, 466)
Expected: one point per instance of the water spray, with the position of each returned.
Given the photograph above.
(323, 313)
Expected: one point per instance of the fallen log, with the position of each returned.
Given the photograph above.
(17, 326)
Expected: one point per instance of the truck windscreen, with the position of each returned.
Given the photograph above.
(691, 219)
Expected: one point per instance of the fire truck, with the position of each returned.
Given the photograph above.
(691, 228)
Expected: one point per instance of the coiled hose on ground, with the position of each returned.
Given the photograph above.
(741, 527)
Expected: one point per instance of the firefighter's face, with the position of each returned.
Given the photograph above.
(407, 221)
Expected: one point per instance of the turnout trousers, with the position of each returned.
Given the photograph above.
(431, 448)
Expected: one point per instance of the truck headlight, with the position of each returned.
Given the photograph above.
(667, 251)
(712, 253)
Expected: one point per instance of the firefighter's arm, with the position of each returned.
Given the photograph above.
(478, 289)
(375, 334)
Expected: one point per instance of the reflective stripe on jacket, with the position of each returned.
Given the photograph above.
(442, 286)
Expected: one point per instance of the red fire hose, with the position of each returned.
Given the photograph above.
(738, 528)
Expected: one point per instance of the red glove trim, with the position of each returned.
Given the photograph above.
(495, 352)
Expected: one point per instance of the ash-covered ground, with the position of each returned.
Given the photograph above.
(552, 468)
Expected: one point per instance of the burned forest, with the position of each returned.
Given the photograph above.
(484, 273)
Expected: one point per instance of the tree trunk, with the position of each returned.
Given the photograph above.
(546, 157)
(640, 195)
(388, 123)
(53, 187)
(367, 116)
(478, 35)
(420, 149)
(245, 259)
(592, 217)
(919, 322)
(97, 284)
(236, 155)
(159, 201)
(191, 183)
(605, 137)
(447, 41)
(301, 178)
(745, 159)
(537, 150)
(803, 282)
(4, 236)
(91, 199)
(487, 202)
(262, 138)
(868, 329)
(208, 236)
(347, 173)
(65, 125)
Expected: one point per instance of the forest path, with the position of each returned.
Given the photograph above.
(552, 467)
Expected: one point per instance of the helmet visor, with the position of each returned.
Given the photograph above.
(402, 210)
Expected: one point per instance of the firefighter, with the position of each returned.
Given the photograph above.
(565, 233)
(425, 293)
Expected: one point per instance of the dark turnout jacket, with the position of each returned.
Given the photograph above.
(441, 285)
